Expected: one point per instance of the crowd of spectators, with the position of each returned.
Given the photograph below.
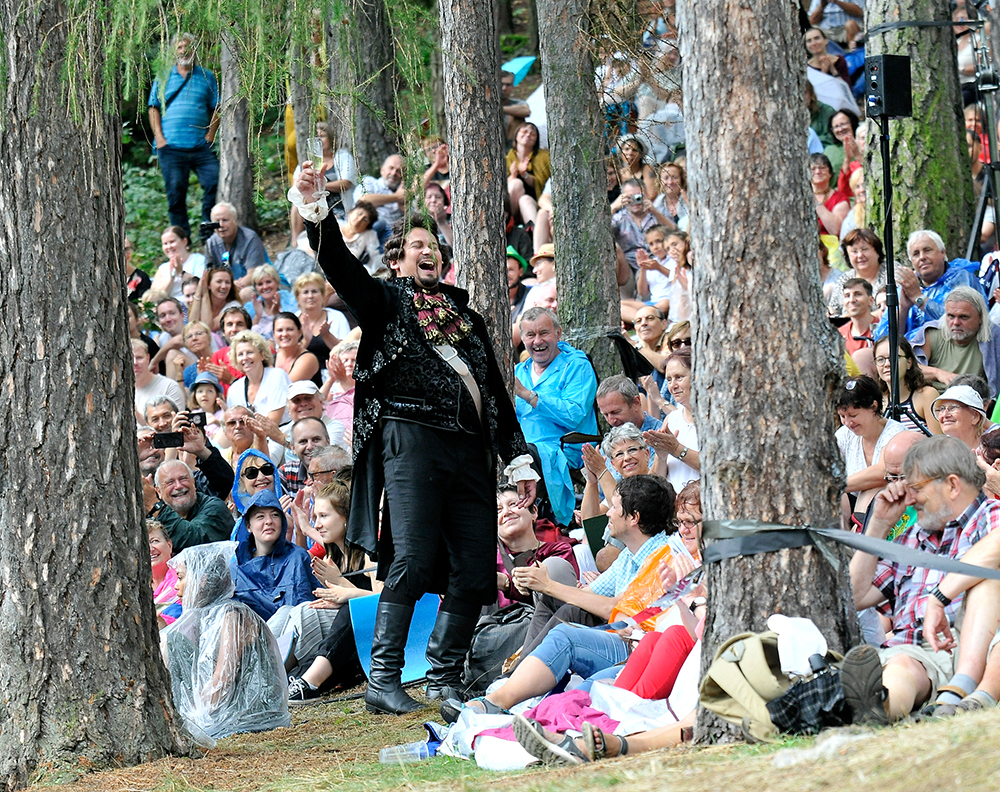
(244, 402)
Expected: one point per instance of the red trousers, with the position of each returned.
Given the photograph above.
(653, 667)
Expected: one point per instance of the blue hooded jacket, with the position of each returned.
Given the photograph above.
(240, 501)
(282, 577)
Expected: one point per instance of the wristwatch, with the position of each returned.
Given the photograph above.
(683, 453)
(939, 596)
(920, 301)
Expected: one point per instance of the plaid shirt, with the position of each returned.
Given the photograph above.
(616, 578)
(906, 587)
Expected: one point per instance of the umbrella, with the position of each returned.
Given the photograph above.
(519, 67)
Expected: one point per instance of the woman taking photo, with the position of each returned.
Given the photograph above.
(861, 438)
(528, 167)
(915, 395)
(322, 328)
(169, 277)
(292, 357)
(215, 291)
(262, 388)
(679, 443)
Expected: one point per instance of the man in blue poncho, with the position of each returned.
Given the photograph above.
(555, 392)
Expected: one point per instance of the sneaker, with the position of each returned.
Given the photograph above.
(300, 692)
(861, 676)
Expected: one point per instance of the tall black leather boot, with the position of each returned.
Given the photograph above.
(446, 651)
(385, 692)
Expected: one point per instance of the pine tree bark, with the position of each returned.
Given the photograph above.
(478, 175)
(766, 360)
(374, 62)
(589, 303)
(930, 163)
(82, 685)
(236, 173)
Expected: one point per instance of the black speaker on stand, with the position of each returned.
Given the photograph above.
(888, 95)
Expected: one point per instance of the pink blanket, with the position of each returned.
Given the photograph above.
(559, 713)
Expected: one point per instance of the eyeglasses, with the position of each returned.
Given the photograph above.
(884, 361)
(918, 486)
(947, 409)
(237, 422)
(630, 451)
(688, 523)
(677, 343)
(316, 473)
(264, 470)
(891, 477)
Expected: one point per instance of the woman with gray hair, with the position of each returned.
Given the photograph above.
(628, 454)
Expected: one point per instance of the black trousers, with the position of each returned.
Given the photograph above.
(441, 496)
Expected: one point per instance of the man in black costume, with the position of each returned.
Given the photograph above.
(431, 416)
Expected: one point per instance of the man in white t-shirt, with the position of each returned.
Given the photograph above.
(148, 384)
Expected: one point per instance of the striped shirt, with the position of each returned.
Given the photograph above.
(186, 121)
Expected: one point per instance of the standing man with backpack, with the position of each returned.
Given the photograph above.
(183, 114)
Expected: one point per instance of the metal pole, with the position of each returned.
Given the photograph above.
(891, 296)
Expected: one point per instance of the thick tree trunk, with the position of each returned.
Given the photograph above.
(532, 23)
(375, 104)
(236, 177)
(504, 17)
(930, 163)
(766, 360)
(478, 176)
(589, 304)
(82, 685)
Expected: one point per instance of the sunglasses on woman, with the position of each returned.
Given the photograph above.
(264, 470)
(677, 343)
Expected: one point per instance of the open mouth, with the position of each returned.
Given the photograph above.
(427, 265)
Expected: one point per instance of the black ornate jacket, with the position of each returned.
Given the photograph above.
(399, 375)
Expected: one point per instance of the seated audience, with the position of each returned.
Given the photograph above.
(832, 206)
(386, 194)
(677, 440)
(861, 438)
(816, 46)
(322, 328)
(642, 517)
(438, 206)
(942, 480)
(225, 669)
(190, 517)
(216, 291)
(529, 168)
(864, 251)
(269, 571)
(914, 393)
(360, 237)
(267, 300)
(262, 387)
(149, 385)
(291, 356)
(338, 390)
(964, 341)
(961, 414)
(169, 277)
(923, 289)
(325, 652)
(858, 304)
(233, 245)
(161, 550)
(672, 200)
(555, 389)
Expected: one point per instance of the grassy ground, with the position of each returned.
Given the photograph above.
(335, 746)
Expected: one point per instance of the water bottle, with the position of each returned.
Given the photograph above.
(402, 754)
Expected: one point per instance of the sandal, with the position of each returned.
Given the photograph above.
(596, 743)
(552, 749)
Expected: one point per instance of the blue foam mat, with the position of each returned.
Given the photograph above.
(424, 615)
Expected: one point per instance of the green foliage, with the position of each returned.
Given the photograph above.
(513, 45)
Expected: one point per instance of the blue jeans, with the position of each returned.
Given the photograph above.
(581, 650)
(177, 165)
